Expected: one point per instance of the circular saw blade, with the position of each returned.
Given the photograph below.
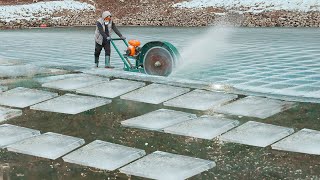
(158, 61)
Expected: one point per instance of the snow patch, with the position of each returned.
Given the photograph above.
(41, 9)
(255, 5)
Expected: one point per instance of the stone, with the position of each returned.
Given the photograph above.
(304, 141)
(205, 127)
(6, 113)
(49, 145)
(10, 134)
(158, 120)
(155, 93)
(256, 134)
(71, 104)
(112, 88)
(163, 165)
(201, 100)
(23, 97)
(104, 155)
(255, 107)
(72, 84)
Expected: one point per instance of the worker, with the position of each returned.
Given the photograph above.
(104, 27)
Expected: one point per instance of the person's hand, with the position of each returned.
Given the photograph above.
(122, 37)
(108, 38)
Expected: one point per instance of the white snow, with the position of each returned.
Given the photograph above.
(254, 5)
(41, 9)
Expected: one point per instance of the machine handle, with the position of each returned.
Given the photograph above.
(119, 39)
(116, 39)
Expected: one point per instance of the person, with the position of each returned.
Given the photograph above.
(104, 27)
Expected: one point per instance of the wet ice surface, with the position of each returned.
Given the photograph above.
(188, 83)
(112, 88)
(255, 107)
(205, 127)
(23, 97)
(10, 134)
(155, 93)
(167, 166)
(304, 141)
(158, 120)
(49, 145)
(256, 134)
(71, 84)
(6, 113)
(58, 77)
(104, 155)
(71, 104)
(200, 100)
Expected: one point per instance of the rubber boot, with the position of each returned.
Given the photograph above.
(96, 61)
(107, 62)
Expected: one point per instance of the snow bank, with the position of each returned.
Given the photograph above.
(41, 9)
(255, 5)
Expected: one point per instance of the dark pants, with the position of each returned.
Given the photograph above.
(98, 48)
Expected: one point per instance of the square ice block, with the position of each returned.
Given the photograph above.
(3, 88)
(20, 70)
(256, 134)
(255, 107)
(72, 84)
(49, 145)
(58, 77)
(155, 93)
(159, 119)
(167, 166)
(10, 134)
(104, 155)
(200, 100)
(112, 88)
(23, 97)
(304, 141)
(205, 127)
(6, 113)
(71, 104)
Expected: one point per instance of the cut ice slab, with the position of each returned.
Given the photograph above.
(155, 93)
(112, 88)
(3, 88)
(21, 70)
(167, 166)
(23, 97)
(71, 84)
(255, 107)
(6, 113)
(104, 155)
(200, 100)
(205, 127)
(49, 145)
(10, 134)
(71, 104)
(58, 77)
(159, 119)
(256, 134)
(304, 141)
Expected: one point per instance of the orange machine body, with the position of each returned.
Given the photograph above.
(132, 48)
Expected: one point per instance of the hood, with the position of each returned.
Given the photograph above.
(105, 14)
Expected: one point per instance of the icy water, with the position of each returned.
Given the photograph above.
(277, 61)
(238, 54)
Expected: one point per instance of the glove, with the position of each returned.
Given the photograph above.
(122, 37)
(108, 38)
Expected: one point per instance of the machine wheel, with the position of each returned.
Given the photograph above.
(159, 58)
